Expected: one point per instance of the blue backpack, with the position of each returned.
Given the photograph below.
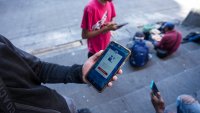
(139, 56)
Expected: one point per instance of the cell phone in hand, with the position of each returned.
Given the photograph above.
(121, 25)
(154, 87)
(111, 60)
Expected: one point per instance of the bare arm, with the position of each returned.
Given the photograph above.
(108, 27)
(88, 34)
(158, 102)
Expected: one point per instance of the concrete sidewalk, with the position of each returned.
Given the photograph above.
(179, 74)
(28, 24)
(48, 28)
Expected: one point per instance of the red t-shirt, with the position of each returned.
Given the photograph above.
(170, 41)
(94, 17)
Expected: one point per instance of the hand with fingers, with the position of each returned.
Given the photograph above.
(110, 26)
(90, 62)
(158, 102)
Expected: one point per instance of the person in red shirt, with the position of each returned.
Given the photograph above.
(97, 24)
(169, 42)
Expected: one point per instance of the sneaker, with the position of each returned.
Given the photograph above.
(84, 110)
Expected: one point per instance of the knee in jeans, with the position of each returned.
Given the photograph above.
(186, 99)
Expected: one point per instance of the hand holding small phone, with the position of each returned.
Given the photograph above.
(110, 26)
(154, 88)
(90, 62)
(156, 98)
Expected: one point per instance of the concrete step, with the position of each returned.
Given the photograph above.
(138, 101)
(192, 18)
(197, 95)
(138, 79)
(172, 107)
(134, 83)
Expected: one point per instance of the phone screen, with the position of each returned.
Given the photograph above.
(107, 65)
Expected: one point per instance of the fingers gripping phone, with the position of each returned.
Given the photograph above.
(154, 88)
(107, 65)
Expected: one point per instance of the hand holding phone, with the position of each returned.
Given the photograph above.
(156, 98)
(90, 62)
(107, 65)
(154, 88)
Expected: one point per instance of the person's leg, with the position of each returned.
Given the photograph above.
(90, 54)
(187, 104)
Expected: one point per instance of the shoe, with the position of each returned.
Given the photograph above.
(84, 110)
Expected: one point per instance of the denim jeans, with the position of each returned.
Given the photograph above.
(187, 107)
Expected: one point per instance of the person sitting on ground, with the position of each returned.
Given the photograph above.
(140, 36)
(185, 104)
(170, 41)
(139, 51)
(22, 75)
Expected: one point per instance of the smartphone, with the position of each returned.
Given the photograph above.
(121, 25)
(111, 60)
(154, 88)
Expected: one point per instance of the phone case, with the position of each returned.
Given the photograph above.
(117, 69)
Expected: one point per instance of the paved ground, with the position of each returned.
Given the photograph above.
(46, 28)
(28, 24)
(179, 74)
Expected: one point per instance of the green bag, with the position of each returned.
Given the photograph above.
(148, 27)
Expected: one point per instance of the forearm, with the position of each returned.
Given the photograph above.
(164, 111)
(53, 73)
(161, 111)
(89, 34)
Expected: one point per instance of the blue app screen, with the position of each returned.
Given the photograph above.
(108, 63)
(106, 66)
